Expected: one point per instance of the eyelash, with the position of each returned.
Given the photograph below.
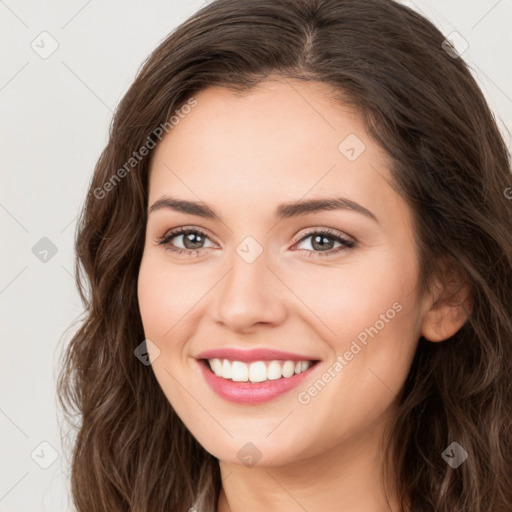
(345, 243)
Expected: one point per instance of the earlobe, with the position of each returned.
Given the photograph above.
(449, 310)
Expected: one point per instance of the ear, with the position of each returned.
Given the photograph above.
(451, 303)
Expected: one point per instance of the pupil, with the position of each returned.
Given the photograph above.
(189, 239)
(322, 242)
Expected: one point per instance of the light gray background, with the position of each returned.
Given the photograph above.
(55, 117)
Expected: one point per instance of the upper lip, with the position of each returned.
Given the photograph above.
(255, 354)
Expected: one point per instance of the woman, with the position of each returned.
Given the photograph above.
(298, 253)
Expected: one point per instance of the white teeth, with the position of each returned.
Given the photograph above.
(239, 372)
(274, 370)
(226, 369)
(304, 365)
(216, 366)
(288, 368)
(257, 371)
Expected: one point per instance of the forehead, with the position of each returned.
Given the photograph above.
(280, 141)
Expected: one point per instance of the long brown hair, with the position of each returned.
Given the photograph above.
(449, 162)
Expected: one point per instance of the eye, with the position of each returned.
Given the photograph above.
(191, 239)
(323, 242)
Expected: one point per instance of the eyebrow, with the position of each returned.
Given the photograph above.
(283, 211)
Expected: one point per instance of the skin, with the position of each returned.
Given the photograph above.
(244, 154)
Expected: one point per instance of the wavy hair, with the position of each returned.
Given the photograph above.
(421, 104)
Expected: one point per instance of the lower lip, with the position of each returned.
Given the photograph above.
(251, 392)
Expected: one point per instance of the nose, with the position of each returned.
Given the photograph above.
(249, 295)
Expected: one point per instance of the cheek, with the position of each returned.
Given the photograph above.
(165, 297)
(164, 304)
(382, 309)
(368, 312)
(371, 311)
(349, 298)
(152, 300)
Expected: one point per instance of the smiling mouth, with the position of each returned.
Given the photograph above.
(256, 371)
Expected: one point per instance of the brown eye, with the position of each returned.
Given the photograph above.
(193, 240)
(323, 243)
(184, 240)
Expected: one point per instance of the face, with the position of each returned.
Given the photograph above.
(307, 311)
